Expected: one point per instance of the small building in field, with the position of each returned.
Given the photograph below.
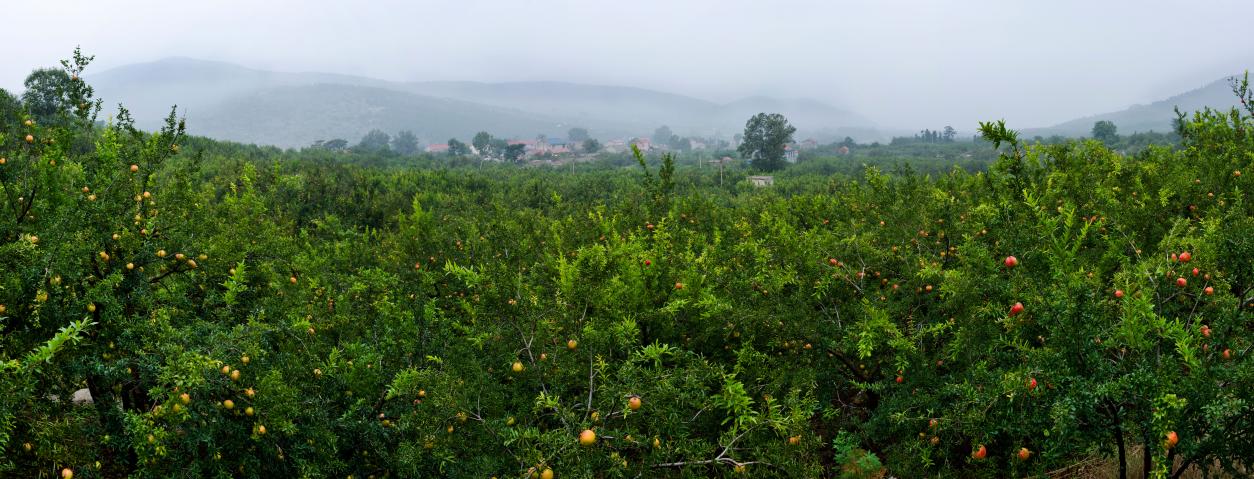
(761, 181)
(809, 144)
(844, 150)
(437, 148)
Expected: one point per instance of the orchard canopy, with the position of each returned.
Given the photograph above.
(244, 311)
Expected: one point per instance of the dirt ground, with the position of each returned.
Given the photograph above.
(1108, 468)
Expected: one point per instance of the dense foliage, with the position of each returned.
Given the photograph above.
(764, 141)
(238, 311)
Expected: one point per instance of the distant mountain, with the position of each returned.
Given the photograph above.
(1156, 116)
(640, 110)
(231, 102)
(294, 116)
(150, 89)
(590, 103)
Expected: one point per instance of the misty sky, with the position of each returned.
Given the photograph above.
(907, 64)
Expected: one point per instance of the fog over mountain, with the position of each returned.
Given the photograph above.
(1155, 116)
(295, 109)
(904, 65)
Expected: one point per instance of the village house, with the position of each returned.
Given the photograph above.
(791, 154)
(809, 144)
(437, 148)
(761, 181)
(559, 146)
(529, 146)
(615, 146)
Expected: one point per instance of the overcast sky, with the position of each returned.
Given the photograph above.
(903, 63)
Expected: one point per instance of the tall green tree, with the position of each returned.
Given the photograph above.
(10, 113)
(483, 143)
(375, 140)
(662, 135)
(591, 145)
(337, 144)
(765, 137)
(514, 153)
(405, 143)
(678, 143)
(457, 148)
(45, 93)
(577, 135)
(1105, 132)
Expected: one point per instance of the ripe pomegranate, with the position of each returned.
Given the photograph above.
(587, 437)
(1016, 309)
(979, 453)
(1011, 261)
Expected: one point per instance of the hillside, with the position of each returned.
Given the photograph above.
(294, 116)
(149, 89)
(642, 110)
(232, 102)
(1156, 116)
